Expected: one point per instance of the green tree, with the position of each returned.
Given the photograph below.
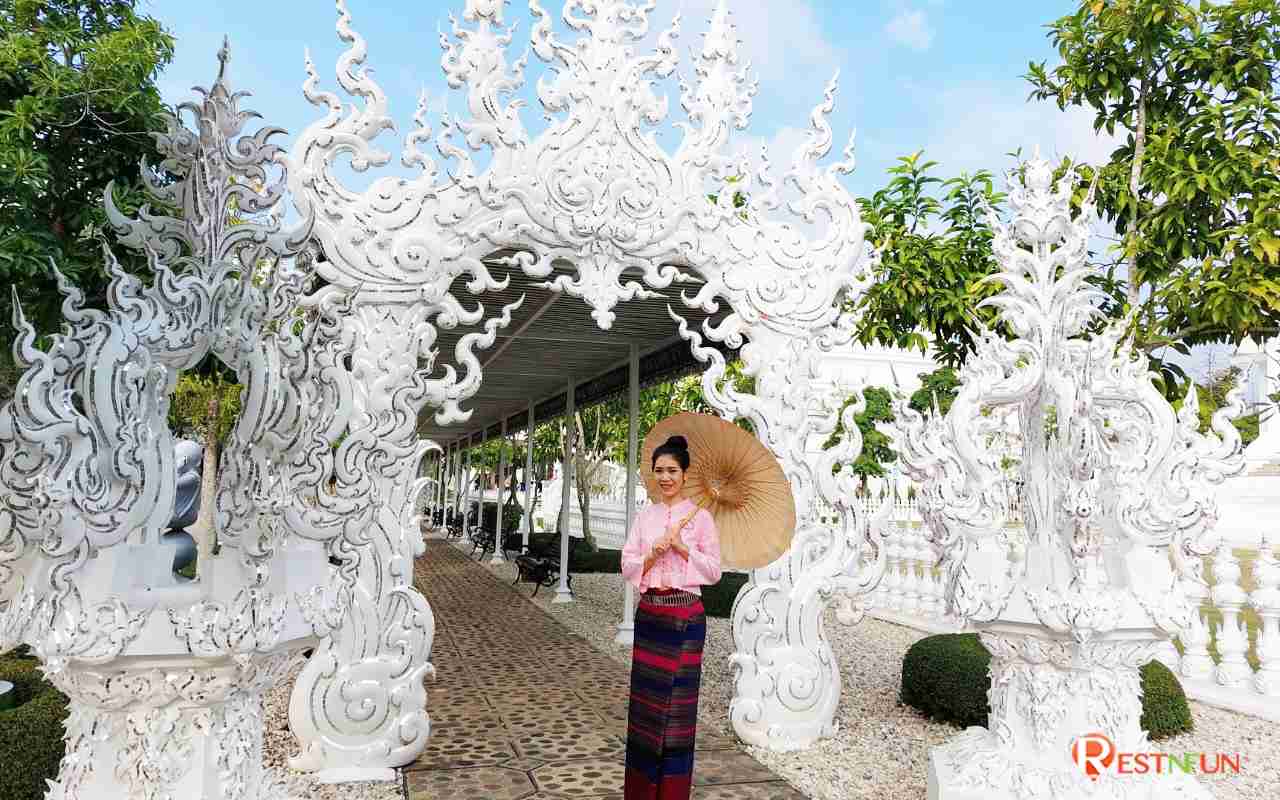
(940, 386)
(876, 452)
(78, 103)
(935, 247)
(1193, 192)
(1211, 395)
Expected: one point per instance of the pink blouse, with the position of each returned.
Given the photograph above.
(699, 535)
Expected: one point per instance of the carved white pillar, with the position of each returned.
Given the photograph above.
(626, 628)
(787, 682)
(358, 709)
(502, 479)
(527, 526)
(1072, 606)
(563, 595)
(166, 680)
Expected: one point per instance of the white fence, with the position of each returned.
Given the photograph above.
(1229, 658)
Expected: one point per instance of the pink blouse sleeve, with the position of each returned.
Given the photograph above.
(703, 568)
(633, 553)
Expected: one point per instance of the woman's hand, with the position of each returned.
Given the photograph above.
(659, 548)
(676, 544)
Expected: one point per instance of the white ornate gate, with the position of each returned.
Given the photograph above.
(595, 191)
(323, 460)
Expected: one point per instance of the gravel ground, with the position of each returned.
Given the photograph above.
(881, 750)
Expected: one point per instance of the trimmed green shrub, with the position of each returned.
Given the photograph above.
(31, 733)
(583, 561)
(718, 598)
(947, 677)
(1165, 711)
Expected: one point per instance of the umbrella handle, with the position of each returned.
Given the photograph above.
(689, 518)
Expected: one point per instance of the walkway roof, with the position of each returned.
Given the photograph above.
(553, 338)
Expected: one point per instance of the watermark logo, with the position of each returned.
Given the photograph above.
(1097, 755)
(1094, 753)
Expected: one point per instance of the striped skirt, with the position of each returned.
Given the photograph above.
(666, 671)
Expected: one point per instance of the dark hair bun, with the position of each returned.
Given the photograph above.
(678, 442)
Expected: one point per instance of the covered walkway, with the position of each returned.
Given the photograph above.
(523, 708)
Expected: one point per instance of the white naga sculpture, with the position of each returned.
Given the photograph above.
(596, 192)
(1118, 507)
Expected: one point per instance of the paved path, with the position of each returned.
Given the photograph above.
(524, 709)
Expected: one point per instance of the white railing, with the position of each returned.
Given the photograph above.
(1218, 660)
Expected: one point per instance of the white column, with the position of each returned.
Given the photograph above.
(563, 595)
(528, 484)
(484, 484)
(451, 474)
(502, 477)
(441, 470)
(626, 628)
(457, 476)
(466, 492)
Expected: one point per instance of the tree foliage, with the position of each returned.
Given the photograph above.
(78, 103)
(939, 387)
(935, 247)
(1211, 395)
(1193, 192)
(193, 400)
(876, 452)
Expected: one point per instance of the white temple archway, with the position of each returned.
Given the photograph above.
(317, 499)
(594, 209)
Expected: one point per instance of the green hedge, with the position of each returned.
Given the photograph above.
(947, 677)
(31, 743)
(602, 561)
(718, 598)
(1165, 711)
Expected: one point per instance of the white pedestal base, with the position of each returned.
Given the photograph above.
(626, 634)
(973, 766)
(169, 728)
(356, 775)
(563, 596)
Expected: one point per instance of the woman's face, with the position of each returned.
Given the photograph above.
(670, 477)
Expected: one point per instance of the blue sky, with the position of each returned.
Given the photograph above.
(943, 75)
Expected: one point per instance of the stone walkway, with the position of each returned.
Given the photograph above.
(524, 709)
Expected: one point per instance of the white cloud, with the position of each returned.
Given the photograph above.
(976, 125)
(911, 29)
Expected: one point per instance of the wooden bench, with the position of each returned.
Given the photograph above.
(482, 541)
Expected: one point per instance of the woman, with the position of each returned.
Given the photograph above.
(672, 551)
